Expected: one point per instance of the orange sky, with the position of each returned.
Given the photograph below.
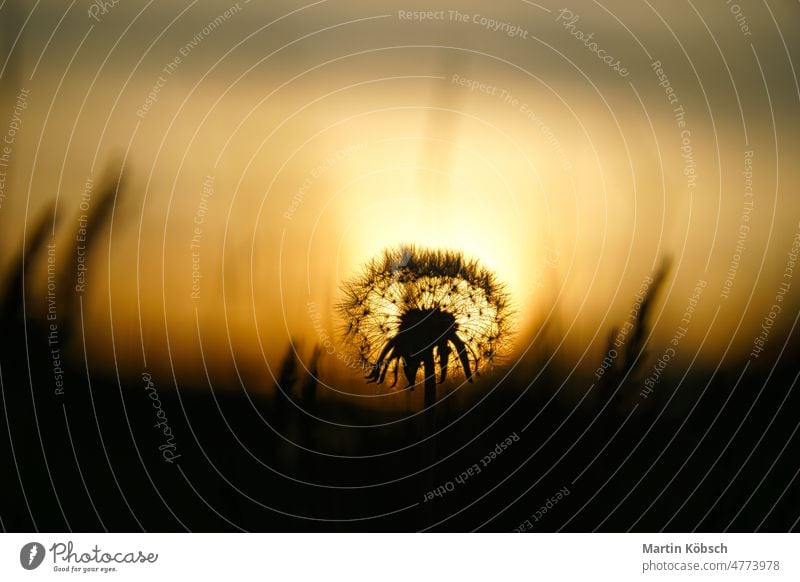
(530, 154)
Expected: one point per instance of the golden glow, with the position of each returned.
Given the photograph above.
(309, 186)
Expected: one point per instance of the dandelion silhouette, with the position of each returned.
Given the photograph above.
(422, 308)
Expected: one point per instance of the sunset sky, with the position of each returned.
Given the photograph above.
(296, 142)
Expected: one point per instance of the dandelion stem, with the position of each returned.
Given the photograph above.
(430, 380)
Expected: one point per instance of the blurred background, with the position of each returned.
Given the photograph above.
(208, 174)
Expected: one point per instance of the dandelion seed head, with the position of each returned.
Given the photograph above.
(411, 307)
